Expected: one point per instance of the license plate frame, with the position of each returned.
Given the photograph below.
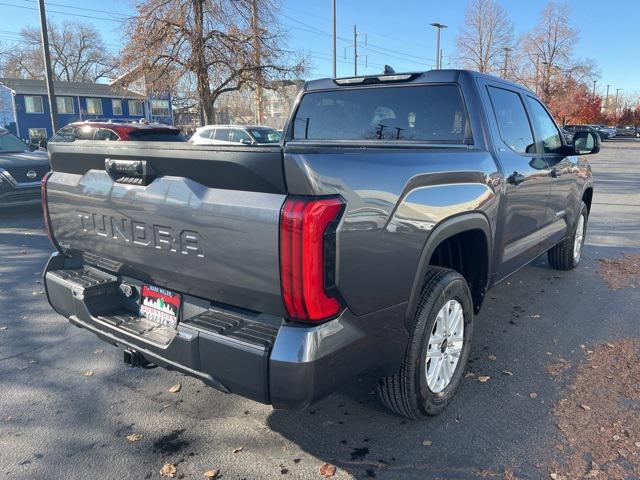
(160, 306)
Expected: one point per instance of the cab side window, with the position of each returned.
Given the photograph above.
(546, 129)
(512, 120)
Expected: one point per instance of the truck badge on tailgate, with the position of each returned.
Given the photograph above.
(187, 242)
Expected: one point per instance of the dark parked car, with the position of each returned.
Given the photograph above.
(365, 241)
(21, 171)
(572, 129)
(118, 131)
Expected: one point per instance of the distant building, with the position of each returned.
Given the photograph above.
(24, 106)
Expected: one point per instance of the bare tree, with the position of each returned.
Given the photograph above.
(550, 48)
(216, 46)
(486, 32)
(78, 54)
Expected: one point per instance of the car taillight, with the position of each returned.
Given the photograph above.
(45, 210)
(307, 256)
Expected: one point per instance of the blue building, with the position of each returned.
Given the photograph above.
(24, 106)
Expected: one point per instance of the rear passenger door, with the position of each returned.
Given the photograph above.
(526, 177)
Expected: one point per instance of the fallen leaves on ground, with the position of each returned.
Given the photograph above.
(559, 366)
(134, 437)
(213, 473)
(88, 373)
(508, 372)
(98, 350)
(533, 395)
(327, 470)
(599, 416)
(484, 378)
(175, 388)
(168, 470)
(238, 450)
(621, 272)
(493, 358)
(3, 327)
(427, 443)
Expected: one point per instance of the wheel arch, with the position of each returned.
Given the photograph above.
(444, 231)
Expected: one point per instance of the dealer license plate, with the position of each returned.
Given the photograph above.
(160, 306)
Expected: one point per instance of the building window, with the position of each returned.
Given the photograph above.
(160, 108)
(135, 107)
(65, 105)
(94, 106)
(37, 136)
(33, 104)
(116, 106)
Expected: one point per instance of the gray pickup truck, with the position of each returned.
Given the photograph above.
(364, 242)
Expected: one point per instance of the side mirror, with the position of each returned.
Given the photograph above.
(586, 143)
(244, 141)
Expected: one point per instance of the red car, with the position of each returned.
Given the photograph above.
(114, 131)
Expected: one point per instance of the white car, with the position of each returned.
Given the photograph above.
(234, 134)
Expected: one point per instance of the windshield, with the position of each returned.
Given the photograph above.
(265, 135)
(9, 143)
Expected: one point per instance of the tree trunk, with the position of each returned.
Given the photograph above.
(200, 65)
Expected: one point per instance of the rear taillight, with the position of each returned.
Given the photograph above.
(45, 210)
(307, 257)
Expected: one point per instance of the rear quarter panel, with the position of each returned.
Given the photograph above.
(395, 198)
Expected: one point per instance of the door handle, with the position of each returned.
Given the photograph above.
(516, 179)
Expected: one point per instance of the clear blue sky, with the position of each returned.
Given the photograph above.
(398, 32)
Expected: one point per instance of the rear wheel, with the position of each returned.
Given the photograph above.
(567, 254)
(438, 349)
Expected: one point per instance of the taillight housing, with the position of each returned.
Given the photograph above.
(45, 211)
(307, 257)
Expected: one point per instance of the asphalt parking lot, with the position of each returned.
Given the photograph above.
(57, 422)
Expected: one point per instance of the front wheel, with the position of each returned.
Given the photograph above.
(438, 348)
(567, 254)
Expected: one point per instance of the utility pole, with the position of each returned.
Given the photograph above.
(594, 86)
(506, 61)
(606, 101)
(438, 26)
(257, 59)
(335, 63)
(355, 51)
(53, 107)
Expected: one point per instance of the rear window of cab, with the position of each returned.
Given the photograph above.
(423, 113)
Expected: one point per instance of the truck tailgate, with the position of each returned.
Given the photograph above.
(206, 224)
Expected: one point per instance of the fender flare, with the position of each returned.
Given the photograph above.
(444, 230)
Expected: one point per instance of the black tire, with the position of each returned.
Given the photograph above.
(407, 392)
(561, 257)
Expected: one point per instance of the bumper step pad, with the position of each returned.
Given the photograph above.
(98, 291)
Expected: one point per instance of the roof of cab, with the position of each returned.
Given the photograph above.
(429, 76)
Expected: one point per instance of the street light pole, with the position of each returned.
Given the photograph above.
(53, 110)
(594, 86)
(606, 100)
(438, 26)
(333, 11)
(506, 61)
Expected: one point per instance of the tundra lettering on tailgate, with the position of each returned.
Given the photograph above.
(141, 233)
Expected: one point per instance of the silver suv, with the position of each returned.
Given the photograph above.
(233, 134)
